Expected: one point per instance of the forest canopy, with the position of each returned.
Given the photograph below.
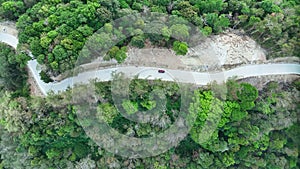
(46, 132)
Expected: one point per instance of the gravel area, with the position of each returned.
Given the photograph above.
(34, 88)
(215, 53)
(8, 27)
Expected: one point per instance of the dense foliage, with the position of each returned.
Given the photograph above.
(12, 9)
(12, 74)
(55, 31)
(254, 129)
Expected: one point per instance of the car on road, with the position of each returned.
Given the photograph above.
(161, 71)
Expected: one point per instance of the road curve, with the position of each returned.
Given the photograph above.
(9, 39)
(151, 72)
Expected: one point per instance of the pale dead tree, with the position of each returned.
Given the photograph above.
(170, 7)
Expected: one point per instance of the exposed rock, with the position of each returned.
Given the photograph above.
(226, 49)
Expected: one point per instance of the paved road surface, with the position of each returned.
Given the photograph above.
(151, 73)
(9, 39)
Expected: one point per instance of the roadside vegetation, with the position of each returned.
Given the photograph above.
(55, 31)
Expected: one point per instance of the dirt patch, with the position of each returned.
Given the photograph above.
(213, 54)
(154, 57)
(219, 51)
(34, 88)
(9, 28)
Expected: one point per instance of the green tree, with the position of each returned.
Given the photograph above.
(186, 10)
(210, 6)
(112, 53)
(180, 48)
(116, 53)
(45, 77)
(45, 42)
(12, 74)
(207, 118)
(166, 32)
(218, 23)
(228, 159)
(108, 27)
(12, 9)
(180, 31)
(11, 156)
(59, 53)
(121, 55)
(54, 65)
(206, 31)
(107, 112)
(138, 41)
(270, 6)
(130, 107)
(13, 113)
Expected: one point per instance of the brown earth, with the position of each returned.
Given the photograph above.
(34, 88)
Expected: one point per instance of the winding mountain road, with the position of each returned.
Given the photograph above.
(152, 73)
